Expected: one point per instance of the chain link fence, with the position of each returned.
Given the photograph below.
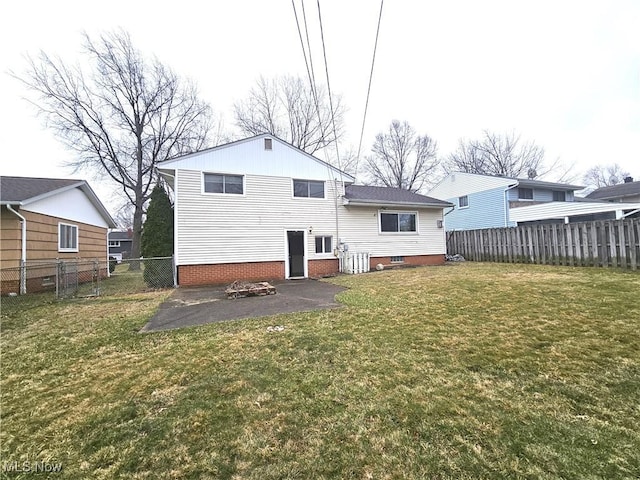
(38, 282)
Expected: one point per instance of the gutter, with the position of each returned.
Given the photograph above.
(23, 253)
(377, 203)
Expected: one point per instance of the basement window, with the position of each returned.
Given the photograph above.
(397, 259)
(67, 237)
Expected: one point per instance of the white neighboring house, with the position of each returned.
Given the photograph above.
(260, 208)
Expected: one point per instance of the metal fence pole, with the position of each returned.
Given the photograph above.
(23, 277)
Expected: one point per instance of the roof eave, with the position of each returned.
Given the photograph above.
(379, 203)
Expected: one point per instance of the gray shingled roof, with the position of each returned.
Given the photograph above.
(615, 191)
(120, 236)
(19, 189)
(526, 182)
(389, 195)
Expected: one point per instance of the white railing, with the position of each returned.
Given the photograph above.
(354, 262)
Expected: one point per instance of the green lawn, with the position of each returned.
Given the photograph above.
(456, 372)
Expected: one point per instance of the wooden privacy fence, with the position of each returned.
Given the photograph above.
(605, 243)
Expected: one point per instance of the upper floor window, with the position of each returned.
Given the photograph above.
(525, 193)
(308, 188)
(67, 237)
(268, 144)
(463, 201)
(114, 243)
(559, 196)
(397, 222)
(217, 183)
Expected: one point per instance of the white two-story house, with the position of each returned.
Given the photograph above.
(259, 209)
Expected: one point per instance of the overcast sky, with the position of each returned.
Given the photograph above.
(565, 74)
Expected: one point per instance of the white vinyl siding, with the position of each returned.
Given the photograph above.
(359, 228)
(209, 231)
(249, 228)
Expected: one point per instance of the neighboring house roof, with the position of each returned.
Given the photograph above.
(23, 191)
(550, 210)
(462, 183)
(121, 236)
(525, 182)
(174, 162)
(388, 196)
(629, 189)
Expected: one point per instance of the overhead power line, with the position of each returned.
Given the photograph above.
(366, 105)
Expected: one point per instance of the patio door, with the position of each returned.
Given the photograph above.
(295, 249)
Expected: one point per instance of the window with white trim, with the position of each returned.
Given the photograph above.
(397, 259)
(67, 237)
(308, 189)
(114, 243)
(398, 222)
(463, 201)
(219, 183)
(324, 244)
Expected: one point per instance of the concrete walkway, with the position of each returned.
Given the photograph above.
(189, 306)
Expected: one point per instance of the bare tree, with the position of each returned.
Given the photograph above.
(496, 154)
(401, 158)
(286, 107)
(605, 175)
(122, 117)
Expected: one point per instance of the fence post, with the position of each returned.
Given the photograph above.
(175, 271)
(23, 277)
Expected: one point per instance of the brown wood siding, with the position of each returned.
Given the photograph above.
(42, 239)
(9, 239)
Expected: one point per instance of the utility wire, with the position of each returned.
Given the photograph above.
(326, 69)
(366, 105)
(313, 74)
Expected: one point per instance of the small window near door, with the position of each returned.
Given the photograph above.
(463, 201)
(559, 196)
(525, 193)
(324, 244)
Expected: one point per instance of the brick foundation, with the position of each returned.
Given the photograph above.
(412, 260)
(322, 268)
(222, 273)
(228, 272)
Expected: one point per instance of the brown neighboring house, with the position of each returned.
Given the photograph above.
(48, 219)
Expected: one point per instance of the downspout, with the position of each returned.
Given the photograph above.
(506, 204)
(23, 253)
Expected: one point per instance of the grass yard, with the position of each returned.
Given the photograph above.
(457, 372)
